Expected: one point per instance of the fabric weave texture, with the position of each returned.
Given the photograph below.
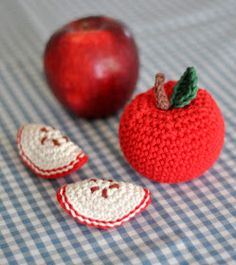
(188, 223)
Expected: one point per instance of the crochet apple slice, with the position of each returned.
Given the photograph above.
(47, 152)
(103, 203)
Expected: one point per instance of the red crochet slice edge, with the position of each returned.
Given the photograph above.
(53, 173)
(65, 204)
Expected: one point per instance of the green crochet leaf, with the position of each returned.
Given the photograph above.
(186, 89)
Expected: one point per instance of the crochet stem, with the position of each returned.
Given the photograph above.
(162, 100)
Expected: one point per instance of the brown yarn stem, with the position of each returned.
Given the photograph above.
(162, 100)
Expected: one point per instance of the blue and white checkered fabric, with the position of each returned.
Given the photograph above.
(190, 223)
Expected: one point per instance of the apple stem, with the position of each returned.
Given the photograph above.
(162, 100)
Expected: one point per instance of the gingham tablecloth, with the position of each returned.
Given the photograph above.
(190, 223)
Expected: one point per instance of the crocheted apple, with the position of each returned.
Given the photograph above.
(47, 152)
(174, 132)
(103, 203)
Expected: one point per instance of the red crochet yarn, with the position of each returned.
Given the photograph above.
(172, 145)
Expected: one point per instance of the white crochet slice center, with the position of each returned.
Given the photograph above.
(104, 200)
(47, 147)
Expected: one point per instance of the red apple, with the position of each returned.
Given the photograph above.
(92, 65)
(174, 132)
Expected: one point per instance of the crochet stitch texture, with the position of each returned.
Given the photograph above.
(172, 145)
(103, 203)
(47, 152)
